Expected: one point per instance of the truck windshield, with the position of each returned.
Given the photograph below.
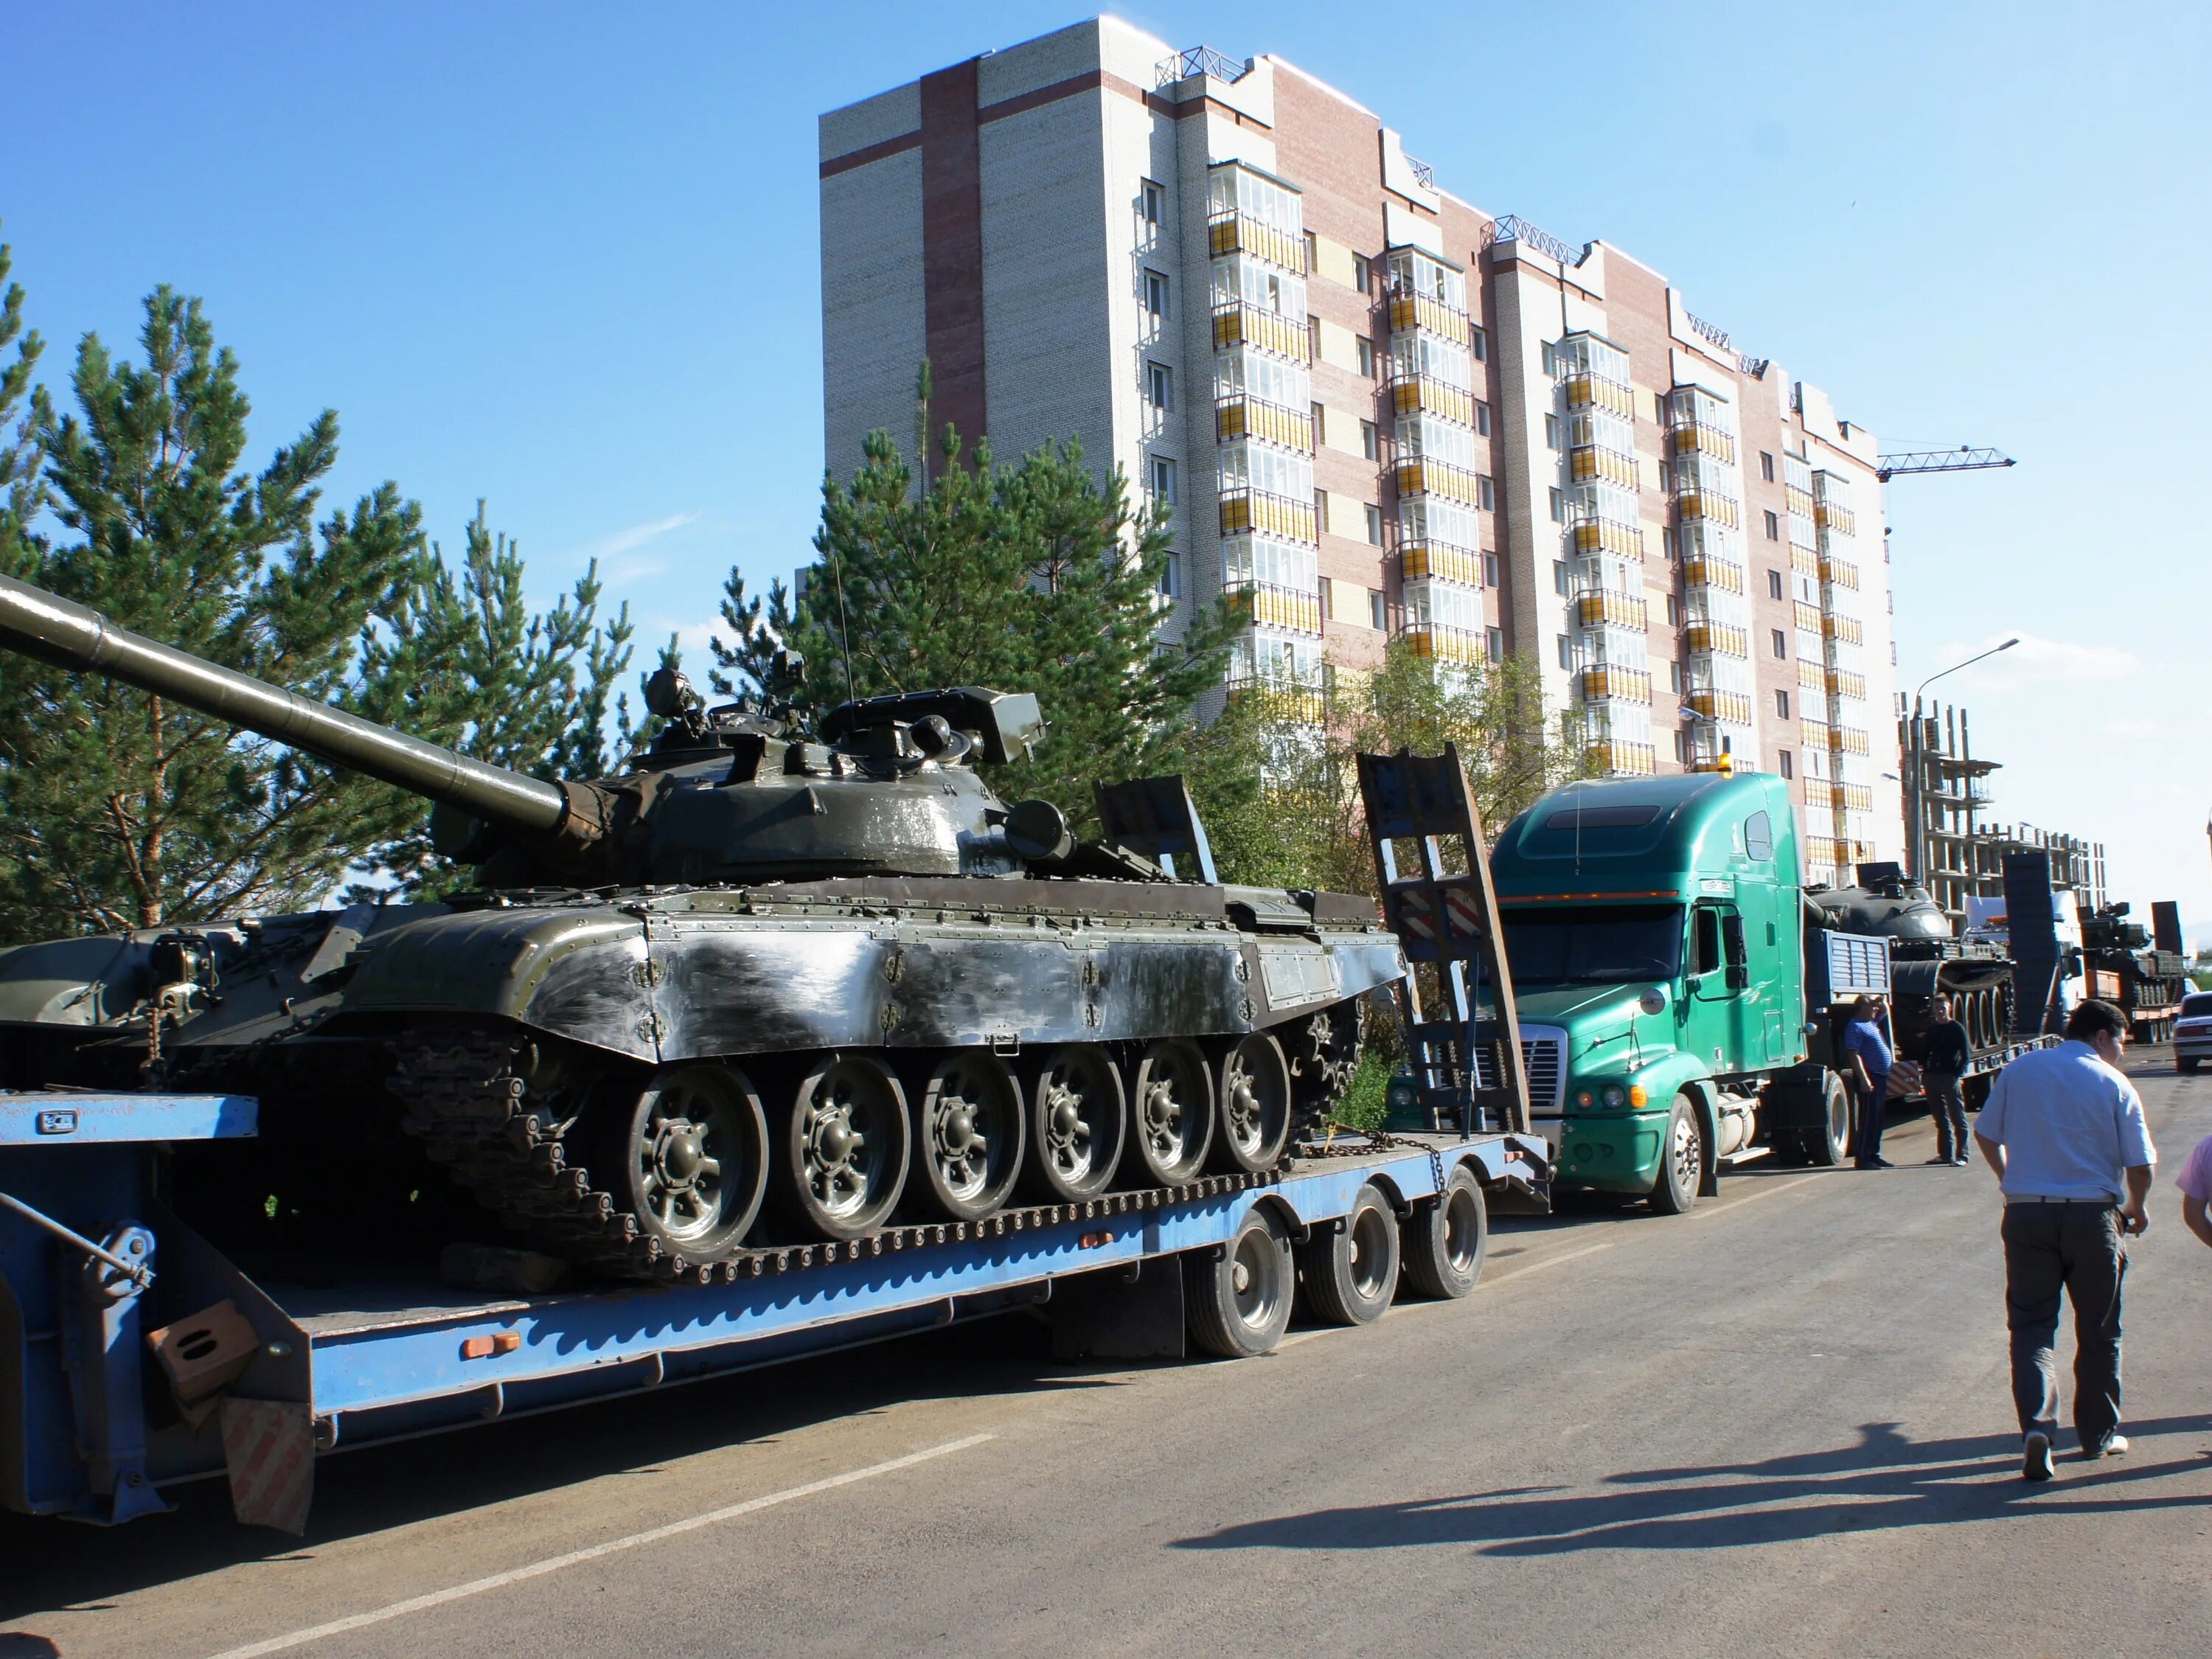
(1595, 946)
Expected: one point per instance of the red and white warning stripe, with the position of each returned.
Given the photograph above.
(1415, 913)
(1464, 912)
(268, 1452)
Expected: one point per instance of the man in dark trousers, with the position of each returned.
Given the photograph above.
(1948, 1055)
(2063, 1129)
(1867, 1047)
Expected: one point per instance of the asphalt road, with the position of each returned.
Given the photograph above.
(1780, 1423)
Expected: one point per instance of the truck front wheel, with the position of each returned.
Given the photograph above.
(1681, 1160)
(1826, 1142)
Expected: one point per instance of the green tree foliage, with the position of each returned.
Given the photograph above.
(122, 810)
(22, 404)
(1027, 578)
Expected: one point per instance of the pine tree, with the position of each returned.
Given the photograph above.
(1028, 578)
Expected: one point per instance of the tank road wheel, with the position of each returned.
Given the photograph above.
(1681, 1160)
(845, 1148)
(1238, 1296)
(1824, 1145)
(697, 1160)
(1349, 1267)
(1445, 1240)
(1174, 1115)
(1324, 1054)
(1076, 1111)
(1255, 1092)
(968, 1135)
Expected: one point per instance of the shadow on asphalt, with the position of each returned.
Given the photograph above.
(1882, 1482)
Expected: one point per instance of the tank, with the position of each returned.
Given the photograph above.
(1926, 960)
(766, 985)
(2123, 965)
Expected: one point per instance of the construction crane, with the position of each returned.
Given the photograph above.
(1963, 458)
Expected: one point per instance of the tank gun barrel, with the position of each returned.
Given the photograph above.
(56, 631)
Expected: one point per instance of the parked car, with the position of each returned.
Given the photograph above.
(2192, 1031)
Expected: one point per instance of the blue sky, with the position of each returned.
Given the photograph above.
(565, 257)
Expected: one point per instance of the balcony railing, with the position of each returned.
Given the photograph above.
(1690, 438)
(1445, 643)
(1814, 734)
(1240, 414)
(1854, 798)
(1294, 698)
(1733, 707)
(1240, 233)
(1612, 610)
(1804, 560)
(1595, 391)
(1807, 616)
(1812, 677)
(1845, 631)
(1819, 796)
(1840, 572)
(1719, 574)
(1239, 322)
(1246, 510)
(1587, 461)
(1724, 639)
(1848, 740)
(1514, 228)
(1200, 60)
(1420, 475)
(1799, 501)
(1419, 561)
(1624, 685)
(1272, 606)
(1409, 311)
(1611, 755)
(1847, 685)
(1623, 541)
(1409, 393)
(1836, 518)
(1712, 508)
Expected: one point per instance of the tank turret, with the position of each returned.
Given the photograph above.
(885, 787)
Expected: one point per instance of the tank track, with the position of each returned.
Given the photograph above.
(473, 1115)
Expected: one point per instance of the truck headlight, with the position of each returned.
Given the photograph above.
(1615, 1095)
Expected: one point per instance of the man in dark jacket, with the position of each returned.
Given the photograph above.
(1948, 1056)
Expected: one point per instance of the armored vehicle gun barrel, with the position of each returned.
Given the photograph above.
(71, 635)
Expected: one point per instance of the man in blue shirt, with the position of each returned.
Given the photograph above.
(1867, 1049)
(2063, 1129)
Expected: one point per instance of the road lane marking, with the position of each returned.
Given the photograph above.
(1551, 1262)
(575, 1557)
(1768, 1191)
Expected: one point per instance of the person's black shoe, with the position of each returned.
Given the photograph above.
(1943, 1160)
(2035, 1457)
(1879, 1164)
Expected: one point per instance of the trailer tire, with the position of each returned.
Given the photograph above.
(1681, 1160)
(1238, 1296)
(1443, 1242)
(1349, 1267)
(1823, 1146)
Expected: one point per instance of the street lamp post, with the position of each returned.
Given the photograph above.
(1919, 848)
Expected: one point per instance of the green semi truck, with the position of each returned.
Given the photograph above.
(1681, 1004)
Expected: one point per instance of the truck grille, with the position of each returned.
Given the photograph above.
(1543, 1058)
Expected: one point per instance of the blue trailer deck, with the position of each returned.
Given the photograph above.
(257, 1378)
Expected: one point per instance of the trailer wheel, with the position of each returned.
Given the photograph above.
(846, 1148)
(1681, 1160)
(1253, 1090)
(1239, 1296)
(968, 1135)
(1824, 1145)
(1171, 1114)
(1078, 1110)
(1445, 1239)
(1349, 1269)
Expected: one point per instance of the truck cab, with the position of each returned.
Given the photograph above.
(1655, 933)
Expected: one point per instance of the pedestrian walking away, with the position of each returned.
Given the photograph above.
(1867, 1045)
(1948, 1055)
(2063, 1129)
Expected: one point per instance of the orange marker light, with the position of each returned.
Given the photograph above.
(1637, 1096)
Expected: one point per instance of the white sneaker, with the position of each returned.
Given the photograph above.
(2115, 1447)
(2035, 1461)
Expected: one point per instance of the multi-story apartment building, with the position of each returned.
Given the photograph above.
(1378, 410)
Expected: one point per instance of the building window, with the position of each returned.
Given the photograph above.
(1775, 587)
(1155, 200)
(1782, 705)
(1163, 481)
(1365, 348)
(1370, 440)
(1673, 611)
(1781, 641)
(1374, 524)
(1362, 274)
(1320, 423)
(1376, 615)
(1486, 492)
(1497, 645)
(1766, 466)
(1558, 507)
(1773, 528)
(1563, 651)
(1560, 583)
(1666, 479)
(1667, 544)
(1156, 293)
(1789, 766)
(1480, 340)
(1171, 577)
(1552, 433)
(1482, 420)
(1321, 511)
(1548, 357)
(1159, 385)
(1490, 576)
(1313, 254)
(1675, 676)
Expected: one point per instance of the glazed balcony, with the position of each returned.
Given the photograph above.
(1707, 572)
(1240, 415)
(1623, 541)
(1800, 501)
(1814, 734)
(1807, 616)
(1420, 475)
(1804, 560)
(1614, 756)
(1267, 604)
(1845, 630)
(1848, 740)
(1608, 610)
(1445, 644)
(1709, 505)
(1293, 699)
(1733, 707)
(1239, 322)
(1853, 797)
(1439, 561)
(1411, 311)
(1240, 233)
(1839, 573)
(1835, 518)
(1426, 394)
(1587, 461)
(1607, 682)
(1820, 795)
(1723, 639)
(1587, 391)
(1689, 437)
(1246, 510)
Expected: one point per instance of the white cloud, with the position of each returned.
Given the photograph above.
(2036, 661)
(629, 540)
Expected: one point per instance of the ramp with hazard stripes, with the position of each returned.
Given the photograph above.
(1457, 997)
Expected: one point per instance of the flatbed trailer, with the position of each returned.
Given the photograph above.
(134, 1355)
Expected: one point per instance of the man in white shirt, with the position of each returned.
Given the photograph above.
(2064, 1131)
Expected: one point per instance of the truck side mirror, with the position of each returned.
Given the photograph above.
(1732, 952)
